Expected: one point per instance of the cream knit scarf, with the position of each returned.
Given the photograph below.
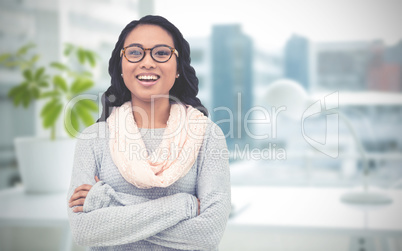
(173, 158)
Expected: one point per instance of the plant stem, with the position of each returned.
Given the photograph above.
(53, 133)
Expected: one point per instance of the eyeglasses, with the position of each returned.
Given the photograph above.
(160, 53)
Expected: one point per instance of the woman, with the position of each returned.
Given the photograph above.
(153, 172)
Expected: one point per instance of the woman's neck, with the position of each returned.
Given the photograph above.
(147, 115)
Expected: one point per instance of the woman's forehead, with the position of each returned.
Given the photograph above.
(148, 36)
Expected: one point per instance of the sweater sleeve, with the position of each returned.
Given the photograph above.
(205, 231)
(119, 225)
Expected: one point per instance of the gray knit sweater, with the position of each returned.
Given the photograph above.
(120, 216)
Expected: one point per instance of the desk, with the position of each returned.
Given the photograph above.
(39, 210)
(271, 209)
(314, 210)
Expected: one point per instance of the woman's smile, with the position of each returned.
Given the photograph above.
(148, 79)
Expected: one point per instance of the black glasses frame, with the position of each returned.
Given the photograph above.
(172, 51)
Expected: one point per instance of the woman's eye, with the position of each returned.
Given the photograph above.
(135, 52)
(162, 53)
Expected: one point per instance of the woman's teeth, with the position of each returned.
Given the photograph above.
(148, 78)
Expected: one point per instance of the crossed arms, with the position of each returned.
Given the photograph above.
(109, 218)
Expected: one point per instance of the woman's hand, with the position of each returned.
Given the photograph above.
(79, 196)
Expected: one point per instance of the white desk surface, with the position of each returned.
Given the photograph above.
(277, 208)
(21, 209)
(313, 209)
(45, 210)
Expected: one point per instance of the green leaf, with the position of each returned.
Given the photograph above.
(81, 55)
(4, 57)
(71, 119)
(43, 84)
(15, 90)
(59, 66)
(39, 73)
(48, 107)
(34, 59)
(49, 94)
(91, 58)
(24, 49)
(74, 120)
(84, 115)
(18, 97)
(81, 85)
(12, 64)
(68, 49)
(27, 74)
(60, 82)
(89, 104)
(35, 92)
(18, 93)
(50, 118)
(26, 99)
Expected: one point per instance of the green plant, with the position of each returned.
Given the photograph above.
(66, 81)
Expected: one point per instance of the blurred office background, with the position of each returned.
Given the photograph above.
(238, 48)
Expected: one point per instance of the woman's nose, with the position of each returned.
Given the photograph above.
(148, 62)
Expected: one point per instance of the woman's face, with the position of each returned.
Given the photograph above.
(137, 76)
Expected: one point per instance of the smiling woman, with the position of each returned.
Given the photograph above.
(150, 174)
(137, 74)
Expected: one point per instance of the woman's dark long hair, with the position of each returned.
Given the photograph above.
(185, 87)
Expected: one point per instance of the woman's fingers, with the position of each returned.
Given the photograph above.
(79, 202)
(80, 192)
(78, 198)
(78, 209)
(83, 187)
(78, 195)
